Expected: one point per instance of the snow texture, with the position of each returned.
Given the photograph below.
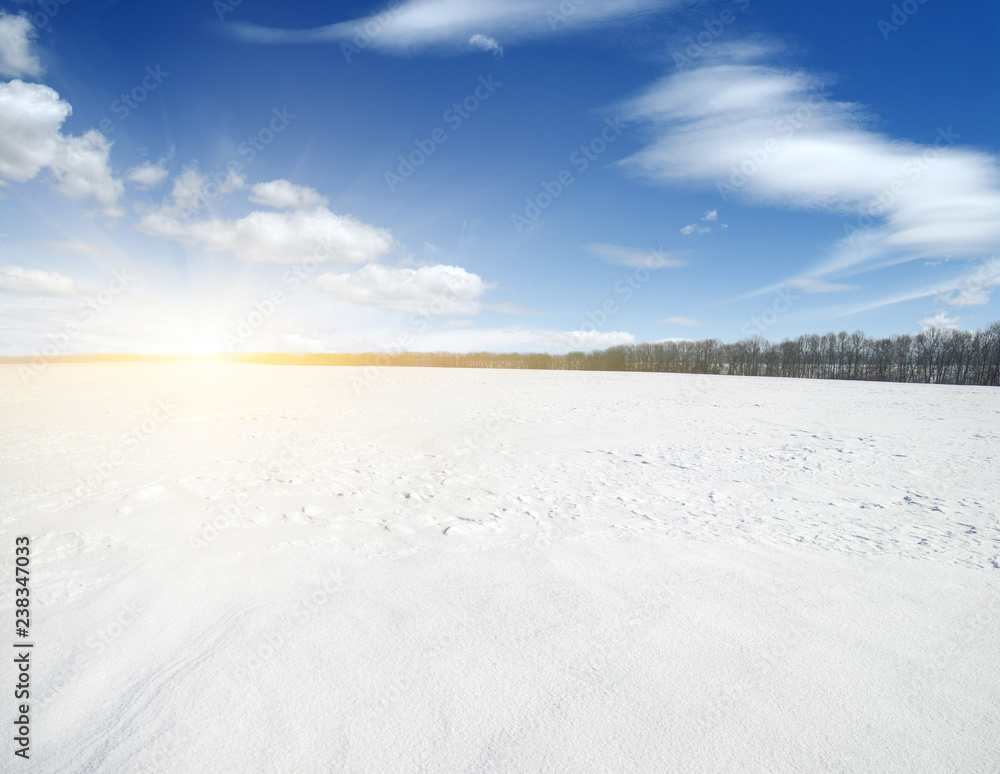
(242, 567)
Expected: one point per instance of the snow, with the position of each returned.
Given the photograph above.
(318, 569)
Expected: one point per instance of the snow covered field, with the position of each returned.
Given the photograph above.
(297, 569)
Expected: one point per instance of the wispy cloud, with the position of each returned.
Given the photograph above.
(484, 43)
(417, 24)
(774, 136)
(511, 308)
(147, 175)
(18, 281)
(685, 322)
(75, 247)
(630, 256)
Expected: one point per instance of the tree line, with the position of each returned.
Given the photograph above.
(934, 356)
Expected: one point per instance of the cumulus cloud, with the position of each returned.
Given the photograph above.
(484, 43)
(83, 170)
(147, 175)
(17, 56)
(457, 23)
(940, 320)
(16, 280)
(774, 136)
(275, 237)
(694, 228)
(282, 195)
(433, 290)
(569, 341)
(629, 256)
(309, 233)
(31, 116)
(686, 322)
(711, 215)
(194, 190)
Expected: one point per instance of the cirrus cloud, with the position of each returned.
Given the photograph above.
(455, 24)
(774, 136)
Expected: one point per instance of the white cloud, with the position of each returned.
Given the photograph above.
(569, 341)
(694, 228)
(772, 136)
(940, 320)
(195, 191)
(711, 215)
(17, 57)
(511, 308)
(76, 247)
(453, 23)
(484, 43)
(686, 322)
(83, 171)
(975, 288)
(433, 290)
(16, 280)
(274, 237)
(814, 285)
(31, 116)
(147, 175)
(282, 195)
(966, 286)
(629, 256)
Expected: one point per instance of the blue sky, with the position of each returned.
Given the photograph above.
(529, 175)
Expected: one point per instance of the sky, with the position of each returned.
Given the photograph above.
(478, 175)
